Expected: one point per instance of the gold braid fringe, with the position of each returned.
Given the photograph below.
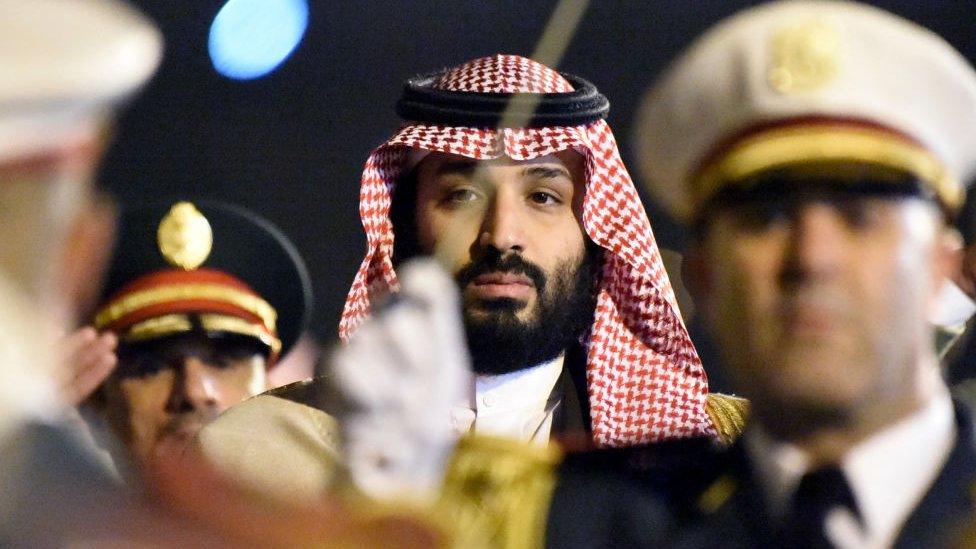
(729, 414)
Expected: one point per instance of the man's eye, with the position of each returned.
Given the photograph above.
(761, 216)
(543, 198)
(140, 366)
(222, 362)
(859, 214)
(460, 196)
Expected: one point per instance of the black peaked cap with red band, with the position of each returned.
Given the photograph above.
(252, 278)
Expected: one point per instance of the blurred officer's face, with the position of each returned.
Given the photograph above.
(167, 389)
(820, 301)
(50, 209)
(511, 232)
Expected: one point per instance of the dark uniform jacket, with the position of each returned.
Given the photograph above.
(693, 494)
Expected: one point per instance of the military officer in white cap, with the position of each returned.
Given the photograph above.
(820, 164)
(817, 150)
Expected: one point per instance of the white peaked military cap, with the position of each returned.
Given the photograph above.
(66, 63)
(803, 82)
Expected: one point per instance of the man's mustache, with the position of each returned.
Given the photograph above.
(495, 263)
(188, 421)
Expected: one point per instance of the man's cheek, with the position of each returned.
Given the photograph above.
(737, 306)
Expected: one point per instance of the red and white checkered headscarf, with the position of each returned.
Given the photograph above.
(644, 379)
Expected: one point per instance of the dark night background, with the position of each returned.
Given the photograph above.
(291, 145)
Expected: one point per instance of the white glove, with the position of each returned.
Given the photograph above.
(398, 378)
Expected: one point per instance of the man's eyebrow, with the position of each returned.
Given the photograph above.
(467, 167)
(461, 167)
(546, 172)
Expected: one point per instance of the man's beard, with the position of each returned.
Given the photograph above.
(499, 341)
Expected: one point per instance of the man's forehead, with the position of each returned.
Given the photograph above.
(567, 162)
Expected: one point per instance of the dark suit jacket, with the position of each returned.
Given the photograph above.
(690, 494)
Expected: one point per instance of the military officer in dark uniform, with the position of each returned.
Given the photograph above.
(204, 298)
(816, 151)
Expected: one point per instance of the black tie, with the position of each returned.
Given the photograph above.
(819, 491)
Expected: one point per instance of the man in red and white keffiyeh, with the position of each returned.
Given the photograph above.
(541, 225)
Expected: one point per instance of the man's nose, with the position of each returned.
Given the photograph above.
(194, 386)
(503, 226)
(818, 241)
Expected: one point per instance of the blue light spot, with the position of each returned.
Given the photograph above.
(250, 38)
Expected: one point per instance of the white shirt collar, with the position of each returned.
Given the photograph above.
(952, 307)
(889, 472)
(516, 404)
(517, 390)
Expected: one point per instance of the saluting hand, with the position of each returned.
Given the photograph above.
(87, 359)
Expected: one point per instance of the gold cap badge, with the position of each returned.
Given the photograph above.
(184, 236)
(805, 56)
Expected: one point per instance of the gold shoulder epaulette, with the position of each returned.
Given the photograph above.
(729, 414)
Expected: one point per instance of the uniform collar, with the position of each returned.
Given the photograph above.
(889, 472)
